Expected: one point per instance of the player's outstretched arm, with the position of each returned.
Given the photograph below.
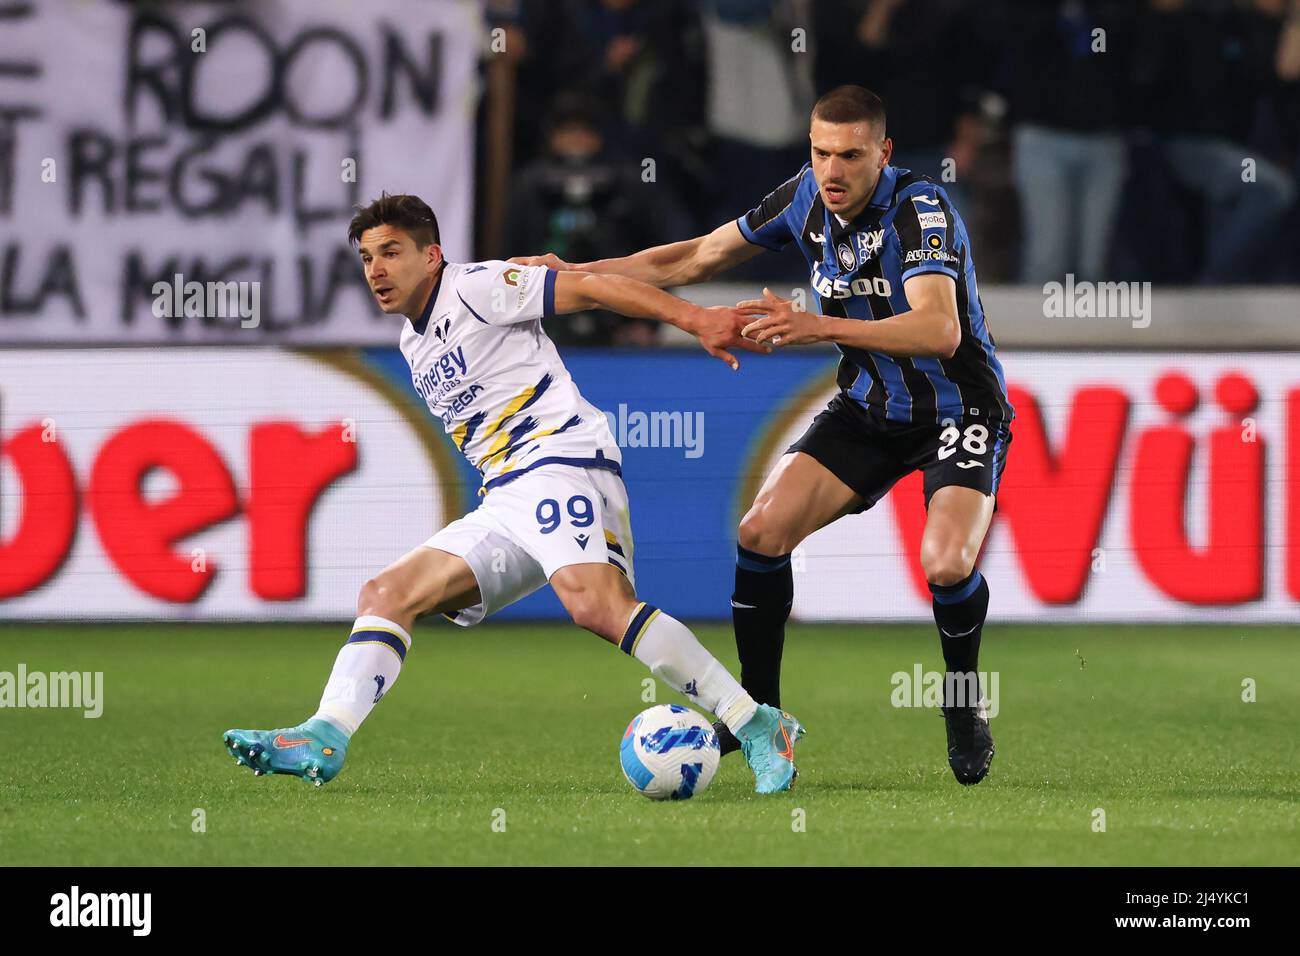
(929, 330)
(677, 263)
(718, 328)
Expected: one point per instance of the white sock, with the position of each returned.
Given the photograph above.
(676, 657)
(365, 669)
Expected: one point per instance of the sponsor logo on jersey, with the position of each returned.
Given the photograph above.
(932, 220)
(461, 402)
(934, 242)
(521, 280)
(443, 374)
(926, 200)
(842, 288)
(869, 243)
(922, 255)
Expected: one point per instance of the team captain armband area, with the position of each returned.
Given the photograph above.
(266, 484)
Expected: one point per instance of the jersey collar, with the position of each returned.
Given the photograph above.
(423, 322)
(883, 197)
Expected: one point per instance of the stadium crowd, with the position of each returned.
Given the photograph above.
(1123, 139)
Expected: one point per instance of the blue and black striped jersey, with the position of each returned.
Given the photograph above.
(858, 270)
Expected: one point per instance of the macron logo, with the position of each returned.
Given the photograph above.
(103, 909)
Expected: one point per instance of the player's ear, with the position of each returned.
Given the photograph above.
(432, 258)
(886, 152)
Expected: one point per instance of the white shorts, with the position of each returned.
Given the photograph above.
(526, 530)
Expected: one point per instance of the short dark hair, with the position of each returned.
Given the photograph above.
(851, 104)
(402, 210)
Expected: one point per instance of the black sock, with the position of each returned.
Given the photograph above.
(765, 586)
(959, 611)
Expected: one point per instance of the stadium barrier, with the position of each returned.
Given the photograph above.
(256, 483)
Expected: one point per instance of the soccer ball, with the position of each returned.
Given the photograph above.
(669, 752)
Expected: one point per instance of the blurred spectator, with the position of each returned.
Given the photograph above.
(1208, 75)
(640, 62)
(922, 60)
(759, 96)
(1139, 108)
(1288, 114)
(582, 204)
(643, 62)
(642, 65)
(1068, 90)
(760, 88)
(533, 78)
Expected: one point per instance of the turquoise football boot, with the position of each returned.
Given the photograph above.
(314, 750)
(767, 741)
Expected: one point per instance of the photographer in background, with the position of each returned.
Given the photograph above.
(581, 203)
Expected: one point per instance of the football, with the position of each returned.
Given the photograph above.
(669, 752)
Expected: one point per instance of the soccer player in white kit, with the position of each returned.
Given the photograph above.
(554, 508)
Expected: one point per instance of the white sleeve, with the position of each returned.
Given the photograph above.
(501, 293)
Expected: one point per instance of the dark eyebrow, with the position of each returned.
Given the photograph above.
(383, 245)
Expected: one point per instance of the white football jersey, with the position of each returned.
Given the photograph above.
(481, 360)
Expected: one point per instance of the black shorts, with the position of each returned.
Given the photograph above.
(869, 454)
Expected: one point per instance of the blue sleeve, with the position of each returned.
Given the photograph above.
(927, 234)
(768, 224)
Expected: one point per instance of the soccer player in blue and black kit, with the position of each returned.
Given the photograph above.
(921, 387)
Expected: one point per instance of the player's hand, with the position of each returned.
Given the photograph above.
(718, 329)
(550, 260)
(775, 321)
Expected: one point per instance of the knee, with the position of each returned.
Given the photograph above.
(600, 603)
(382, 597)
(587, 613)
(592, 613)
(762, 531)
(947, 564)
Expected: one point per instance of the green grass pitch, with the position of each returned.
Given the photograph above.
(1146, 723)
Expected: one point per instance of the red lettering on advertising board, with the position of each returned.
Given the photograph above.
(290, 468)
(1053, 501)
(1229, 567)
(139, 535)
(41, 541)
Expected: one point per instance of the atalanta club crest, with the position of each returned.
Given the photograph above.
(868, 244)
